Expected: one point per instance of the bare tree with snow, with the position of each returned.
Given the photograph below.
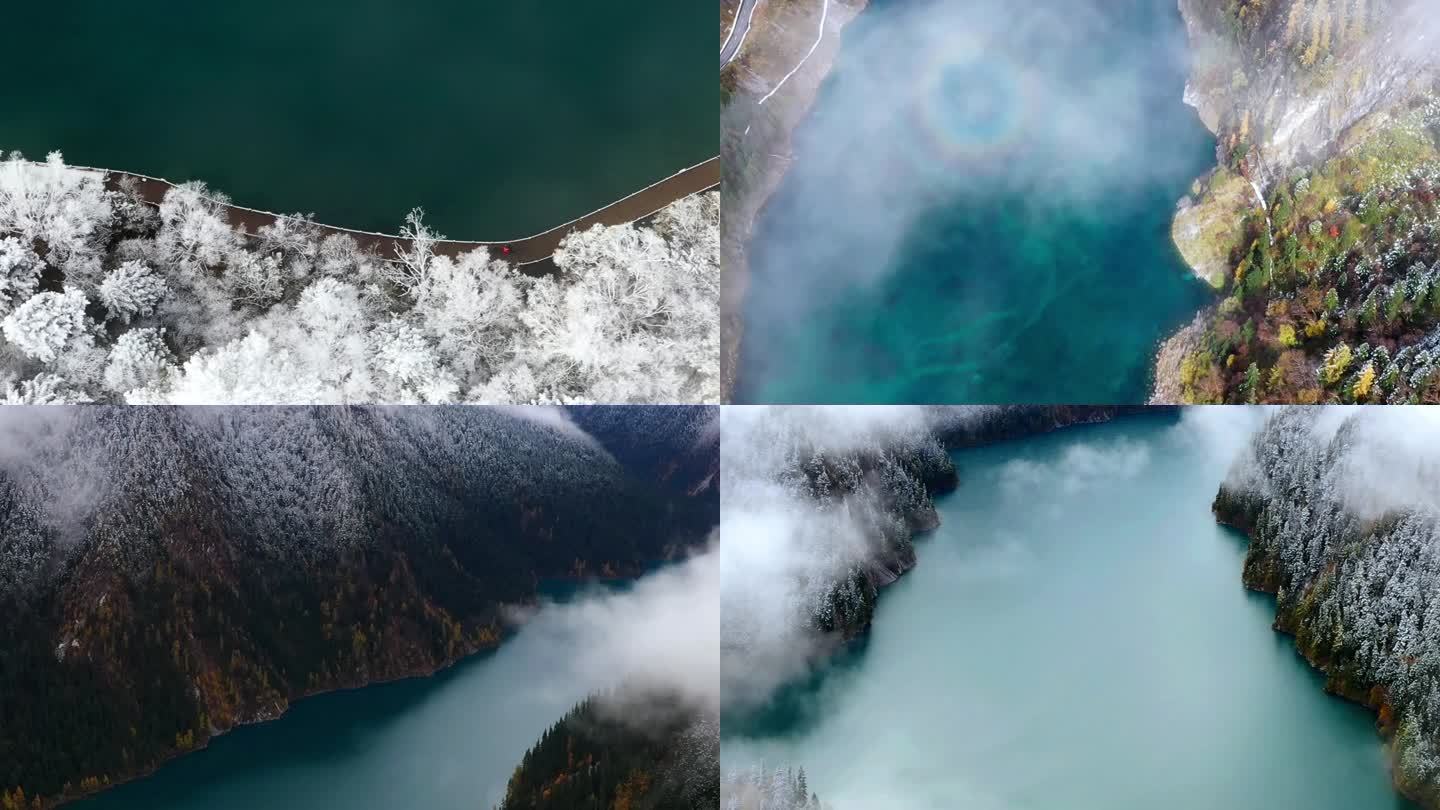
(412, 267)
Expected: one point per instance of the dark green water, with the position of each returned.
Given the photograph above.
(448, 742)
(1076, 636)
(501, 118)
(979, 208)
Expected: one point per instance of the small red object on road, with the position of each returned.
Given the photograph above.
(504, 250)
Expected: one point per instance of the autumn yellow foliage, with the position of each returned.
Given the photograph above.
(1363, 383)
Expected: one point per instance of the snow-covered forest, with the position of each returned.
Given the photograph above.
(1342, 507)
(105, 298)
(764, 788)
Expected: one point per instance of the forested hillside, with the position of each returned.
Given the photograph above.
(1341, 511)
(866, 476)
(676, 446)
(166, 574)
(595, 758)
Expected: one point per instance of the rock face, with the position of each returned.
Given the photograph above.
(1354, 571)
(1287, 78)
(1205, 229)
(1282, 85)
(171, 573)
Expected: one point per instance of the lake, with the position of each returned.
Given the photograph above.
(447, 742)
(500, 119)
(1076, 635)
(978, 210)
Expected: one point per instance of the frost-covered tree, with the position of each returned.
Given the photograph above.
(133, 215)
(132, 290)
(252, 370)
(139, 359)
(634, 318)
(20, 270)
(44, 388)
(47, 323)
(339, 255)
(410, 368)
(327, 332)
(761, 788)
(469, 307)
(194, 232)
(67, 209)
(254, 279)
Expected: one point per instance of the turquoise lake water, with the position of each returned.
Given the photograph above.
(978, 210)
(500, 119)
(1076, 636)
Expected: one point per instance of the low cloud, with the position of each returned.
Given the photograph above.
(550, 416)
(782, 552)
(1078, 468)
(661, 635)
(932, 102)
(1388, 462)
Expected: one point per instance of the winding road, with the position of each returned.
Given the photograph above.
(731, 48)
(531, 254)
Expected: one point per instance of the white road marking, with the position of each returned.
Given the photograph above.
(824, 10)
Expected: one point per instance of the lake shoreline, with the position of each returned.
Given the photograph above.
(204, 744)
(536, 249)
(1370, 697)
(745, 208)
(472, 652)
(500, 119)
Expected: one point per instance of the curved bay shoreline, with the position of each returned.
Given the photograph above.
(530, 254)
